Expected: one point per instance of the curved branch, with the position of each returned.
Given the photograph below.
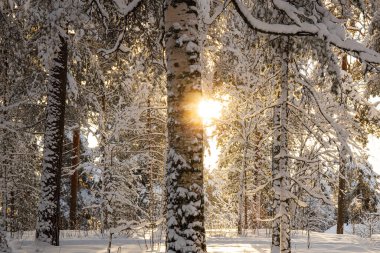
(308, 29)
(125, 9)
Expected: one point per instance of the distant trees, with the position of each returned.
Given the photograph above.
(19, 116)
(295, 119)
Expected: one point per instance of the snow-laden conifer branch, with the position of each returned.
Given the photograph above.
(316, 135)
(314, 122)
(330, 30)
(217, 12)
(311, 192)
(301, 159)
(118, 46)
(259, 112)
(258, 189)
(102, 10)
(124, 9)
(340, 132)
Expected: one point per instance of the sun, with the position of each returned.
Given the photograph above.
(209, 110)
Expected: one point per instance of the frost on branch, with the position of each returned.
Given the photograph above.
(321, 24)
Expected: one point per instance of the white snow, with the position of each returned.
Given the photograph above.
(218, 241)
(330, 30)
(124, 8)
(373, 148)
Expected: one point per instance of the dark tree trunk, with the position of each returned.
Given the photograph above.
(242, 191)
(12, 213)
(4, 165)
(256, 198)
(341, 200)
(47, 230)
(74, 178)
(342, 181)
(106, 177)
(184, 178)
(245, 202)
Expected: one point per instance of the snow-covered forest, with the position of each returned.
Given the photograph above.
(189, 126)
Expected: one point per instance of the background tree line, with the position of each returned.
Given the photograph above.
(292, 135)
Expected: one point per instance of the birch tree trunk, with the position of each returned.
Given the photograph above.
(281, 222)
(184, 175)
(47, 230)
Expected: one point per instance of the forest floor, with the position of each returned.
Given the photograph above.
(217, 242)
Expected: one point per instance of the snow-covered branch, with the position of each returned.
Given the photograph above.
(117, 46)
(341, 133)
(311, 192)
(124, 9)
(330, 31)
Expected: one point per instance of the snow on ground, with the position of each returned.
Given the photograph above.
(217, 242)
(350, 229)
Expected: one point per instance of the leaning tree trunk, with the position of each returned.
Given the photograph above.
(74, 178)
(47, 230)
(184, 175)
(281, 222)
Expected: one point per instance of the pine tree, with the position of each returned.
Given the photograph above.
(280, 170)
(48, 211)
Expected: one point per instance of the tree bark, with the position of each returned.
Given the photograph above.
(4, 165)
(4, 181)
(245, 202)
(342, 180)
(242, 191)
(47, 230)
(74, 178)
(184, 175)
(103, 161)
(281, 223)
(256, 168)
(341, 199)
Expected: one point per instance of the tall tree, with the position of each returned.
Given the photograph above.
(48, 210)
(280, 152)
(184, 178)
(342, 177)
(4, 166)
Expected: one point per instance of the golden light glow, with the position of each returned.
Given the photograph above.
(209, 110)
